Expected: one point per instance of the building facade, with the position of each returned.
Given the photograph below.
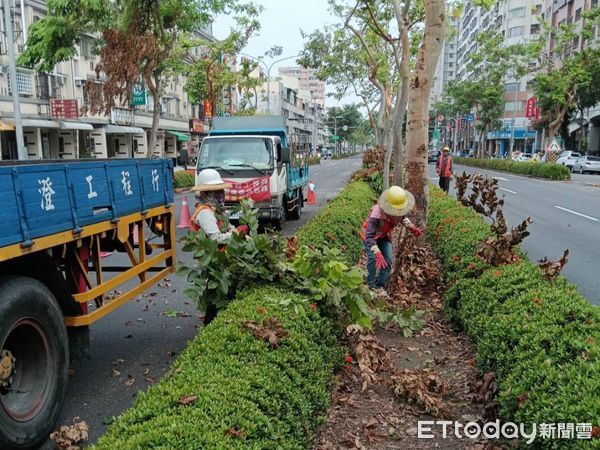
(54, 125)
(308, 81)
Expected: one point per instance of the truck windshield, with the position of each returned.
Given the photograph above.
(236, 153)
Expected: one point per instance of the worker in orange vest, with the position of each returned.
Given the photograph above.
(391, 209)
(210, 188)
(444, 169)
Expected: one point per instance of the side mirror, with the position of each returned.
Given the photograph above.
(285, 155)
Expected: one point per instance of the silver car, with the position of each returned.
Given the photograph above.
(587, 164)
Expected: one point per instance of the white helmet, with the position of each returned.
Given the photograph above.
(209, 180)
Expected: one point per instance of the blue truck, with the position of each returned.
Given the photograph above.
(253, 153)
(58, 221)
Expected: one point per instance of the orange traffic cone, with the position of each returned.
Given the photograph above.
(184, 215)
(311, 198)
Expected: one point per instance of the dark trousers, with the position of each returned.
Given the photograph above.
(445, 184)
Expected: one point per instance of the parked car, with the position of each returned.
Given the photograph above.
(587, 163)
(568, 158)
(433, 155)
(522, 157)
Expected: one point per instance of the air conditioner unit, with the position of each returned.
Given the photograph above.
(61, 79)
(80, 81)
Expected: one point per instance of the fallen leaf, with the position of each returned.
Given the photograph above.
(235, 433)
(150, 379)
(372, 423)
(115, 373)
(187, 400)
(130, 380)
(68, 437)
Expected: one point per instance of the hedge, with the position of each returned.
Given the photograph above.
(249, 395)
(339, 224)
(183, 179)
(541, 338)
(541, 170)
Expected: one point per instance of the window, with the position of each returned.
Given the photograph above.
(24, 82)
(537, 10)
(578, 14)
(516, 12)
(535, 28)
(513, 106)
(86, 47)
(515, 31)
(511, 87)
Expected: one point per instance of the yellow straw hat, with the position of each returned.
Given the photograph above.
(396, 201)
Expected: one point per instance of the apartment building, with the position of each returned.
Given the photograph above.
(307, 81)
(517, 21)
(559, 12)
(51, 107)
(447, 64)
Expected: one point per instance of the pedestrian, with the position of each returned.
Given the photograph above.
(391, 209)
(444, 169)
(210, 199)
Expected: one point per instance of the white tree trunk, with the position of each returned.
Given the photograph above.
(155, 116)
(418, 105)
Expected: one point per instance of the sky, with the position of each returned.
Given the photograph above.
(281, 22)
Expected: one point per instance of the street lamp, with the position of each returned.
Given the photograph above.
(335, 132)
(268, 67)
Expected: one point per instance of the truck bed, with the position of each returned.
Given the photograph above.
(42, 198)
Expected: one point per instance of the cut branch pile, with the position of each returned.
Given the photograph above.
(421, 387)
(371, 355)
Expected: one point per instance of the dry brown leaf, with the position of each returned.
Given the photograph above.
(188, 400)
(271, 330)
(130, 380)
(422, 387)
(68, 437)
(235, 433)
(115, 373)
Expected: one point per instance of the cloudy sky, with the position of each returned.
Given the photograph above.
(281, 22)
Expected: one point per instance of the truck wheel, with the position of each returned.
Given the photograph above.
(294, 214)
(277, 222)
(34, 362)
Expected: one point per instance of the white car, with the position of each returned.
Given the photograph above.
(587, 164)
(522, 157)
(568, 158)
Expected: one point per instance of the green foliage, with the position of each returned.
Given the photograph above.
(541, 170)
(336, 287)
(221, 271)
(541, 338)
(248, 394)
(183, 179)
(408, 321)
(338, 225)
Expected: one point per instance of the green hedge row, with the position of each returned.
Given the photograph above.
(541, 170)
(339, 224)
(249, 395)
(541, 338)
(183, 179)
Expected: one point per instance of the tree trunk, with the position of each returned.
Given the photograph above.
(155, 116)
(418, 105)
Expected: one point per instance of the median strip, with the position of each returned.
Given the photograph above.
(577, 214)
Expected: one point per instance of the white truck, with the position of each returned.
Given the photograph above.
(253, 154)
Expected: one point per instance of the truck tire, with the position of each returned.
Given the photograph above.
(34, 337)
(294, 214)
(277, 222)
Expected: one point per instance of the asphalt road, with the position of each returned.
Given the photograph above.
(566, 215)
(133, 347)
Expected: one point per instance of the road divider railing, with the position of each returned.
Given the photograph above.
(539, 338)
(536, 169)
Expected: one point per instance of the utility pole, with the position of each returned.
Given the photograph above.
(8, 25)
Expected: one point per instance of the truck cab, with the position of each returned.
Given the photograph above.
(252, 154)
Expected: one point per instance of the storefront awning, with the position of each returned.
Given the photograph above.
(76, 126)
(180, 136)
(36, 123)
(6, 126)
(117, 129)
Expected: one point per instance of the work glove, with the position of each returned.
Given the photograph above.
(243, 230)
(380, 261)
(416, 231)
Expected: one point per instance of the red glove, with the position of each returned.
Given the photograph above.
(243, 229)
(380, 261)
(416, 231)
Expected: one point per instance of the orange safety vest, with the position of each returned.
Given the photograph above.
(193, 224)
(445, 166)
(384, 229)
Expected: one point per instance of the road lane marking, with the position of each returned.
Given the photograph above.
(507, 190)
(578, 214)
(500, 178)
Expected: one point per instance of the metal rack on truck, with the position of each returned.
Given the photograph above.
(57, 219)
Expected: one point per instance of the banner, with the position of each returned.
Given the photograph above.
(530, 109)
(257, 189)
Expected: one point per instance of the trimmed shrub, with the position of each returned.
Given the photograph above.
(338, 225)
(249, 395)
(535, 169)
(183, 179)
(541, 338)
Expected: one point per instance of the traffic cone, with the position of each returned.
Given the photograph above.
(311, 198)
(184, 215)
